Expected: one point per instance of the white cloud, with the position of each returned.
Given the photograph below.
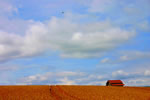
(77, 36)
(105, 60)
(109, 6)
(65, 78)
(16, 26)
(120, 74)
(147, 73)
(97, 83)
(72, 39)
(101, 5)
(49, 77)
(133, 78)
(138, 82)
(66, 81)
(87, 79)
(64, 74)
(7, 8)
(82, 78)
(145, 26)
(10, 45)
(93, 40)
(134, 55)
(124, 13)
(126, 56)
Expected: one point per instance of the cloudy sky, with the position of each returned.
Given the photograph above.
(79, 42)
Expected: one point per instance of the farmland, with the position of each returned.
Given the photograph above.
(25, 93)
(76, 92)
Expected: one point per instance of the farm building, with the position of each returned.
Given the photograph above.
(114, 83)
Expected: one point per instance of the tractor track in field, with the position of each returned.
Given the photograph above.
(59, 90)
(53, 94)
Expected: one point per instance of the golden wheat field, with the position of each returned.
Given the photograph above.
(76, 92)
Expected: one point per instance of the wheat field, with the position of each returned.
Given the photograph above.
(73, 92)
(25, 93)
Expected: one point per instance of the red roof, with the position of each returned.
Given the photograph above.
(115, 81)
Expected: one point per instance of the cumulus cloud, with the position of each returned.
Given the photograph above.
(82, 78)
(66, 81)
(65, 78)
(101, 5)
(147, 73)
(131, 8)
(134, 55)
(144, 25)
(72, 40)
(126, 56)
(10, 45)
(9, 21)
(136, 78)
(16, 26)
(125, 13)
(105, 60)
(120, 74)
(90, 78)
(6, 8)
(138, 82)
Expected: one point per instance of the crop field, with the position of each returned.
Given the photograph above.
(25, 93)
(76, 92)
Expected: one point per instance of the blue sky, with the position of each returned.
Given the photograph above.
(91, 42)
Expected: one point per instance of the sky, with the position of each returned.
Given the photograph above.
(74, 42)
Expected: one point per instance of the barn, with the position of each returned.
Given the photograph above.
(114, 83)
